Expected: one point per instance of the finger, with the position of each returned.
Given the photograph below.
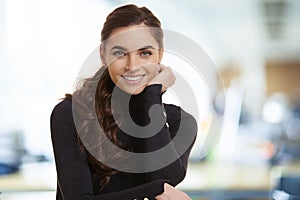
(187, 197)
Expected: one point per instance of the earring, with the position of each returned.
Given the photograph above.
(158, 67)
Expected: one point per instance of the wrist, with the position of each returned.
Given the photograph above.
(154, 88)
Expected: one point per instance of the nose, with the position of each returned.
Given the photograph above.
(132, 61)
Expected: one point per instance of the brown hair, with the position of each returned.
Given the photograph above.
(95, 92)
(132, 15)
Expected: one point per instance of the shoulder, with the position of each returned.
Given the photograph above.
(176, 113)
(180, 120)
(173, 110)
(66, 103)
(63, 110)
(62, 123)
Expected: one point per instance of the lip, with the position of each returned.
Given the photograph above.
(133, 79)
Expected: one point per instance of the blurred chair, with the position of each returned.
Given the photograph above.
(288, 188)
(12, 151)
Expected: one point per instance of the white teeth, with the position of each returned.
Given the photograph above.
(132, 78)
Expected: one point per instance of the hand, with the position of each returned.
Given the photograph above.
(165, 77)
(171, 193)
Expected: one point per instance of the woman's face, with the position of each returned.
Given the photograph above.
(132, 56)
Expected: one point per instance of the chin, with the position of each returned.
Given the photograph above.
(134, 91)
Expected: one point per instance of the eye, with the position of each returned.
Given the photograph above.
(119, 53)
(146, 53)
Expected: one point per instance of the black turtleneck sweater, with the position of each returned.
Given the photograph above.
(76, 180)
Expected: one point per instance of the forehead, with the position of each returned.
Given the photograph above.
(132, 38)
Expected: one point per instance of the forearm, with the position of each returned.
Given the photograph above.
(175, 171)
(182, 126)
(148, 190)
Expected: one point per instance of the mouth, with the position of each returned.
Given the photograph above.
(133, 79)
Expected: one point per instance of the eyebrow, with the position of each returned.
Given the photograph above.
(124, 49)
(118, 47)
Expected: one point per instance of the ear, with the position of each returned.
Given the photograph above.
(161, 53)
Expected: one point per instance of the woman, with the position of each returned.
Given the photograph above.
(131, 50)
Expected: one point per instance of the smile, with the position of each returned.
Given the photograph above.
(133, 79)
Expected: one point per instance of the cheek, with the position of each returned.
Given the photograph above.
(153, 71)
(114, 73)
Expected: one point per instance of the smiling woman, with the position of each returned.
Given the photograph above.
(89, 167)
(132, 64)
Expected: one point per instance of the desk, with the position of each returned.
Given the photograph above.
(31, 177)
(37, 195)
(203, 180)
(287, 169)
(227, 181)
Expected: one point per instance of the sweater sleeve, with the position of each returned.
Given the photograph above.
(183, 126)
(73, 173)
(180, 125)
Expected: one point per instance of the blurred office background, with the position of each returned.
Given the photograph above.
(255, 45)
